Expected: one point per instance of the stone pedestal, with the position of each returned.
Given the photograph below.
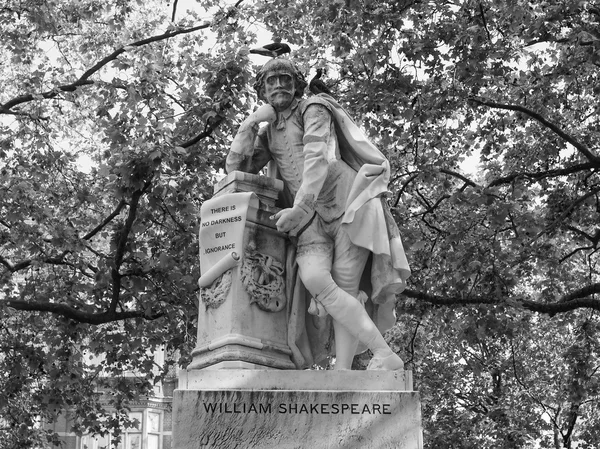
(238, 332)
(296, 409)
(242, 389)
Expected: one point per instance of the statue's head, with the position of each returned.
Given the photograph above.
(278, 82)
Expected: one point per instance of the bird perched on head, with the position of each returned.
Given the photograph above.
(273, 50)
(317, 86)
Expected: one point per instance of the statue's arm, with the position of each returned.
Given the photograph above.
(249, 152)
(318, 129)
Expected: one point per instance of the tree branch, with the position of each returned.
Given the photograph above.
(107, 220)
(570, 209)
(538, 117)
(595, 239)
(14, 267)
(526, 389)
(403, 188)
(122, 245)
(84, 79)
(575, 251)
(208, 129)
(459, 176)
(174, 11)
(76, 314)
(545, 174)
(59, 260)
(577, 299)
(485, 25)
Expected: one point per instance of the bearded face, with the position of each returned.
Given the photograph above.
(279, 89)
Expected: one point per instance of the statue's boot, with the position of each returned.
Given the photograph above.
(347, 310)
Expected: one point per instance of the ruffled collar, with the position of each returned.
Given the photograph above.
(283, 116)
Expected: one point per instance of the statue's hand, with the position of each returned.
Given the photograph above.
(266, 113)
(290, 218)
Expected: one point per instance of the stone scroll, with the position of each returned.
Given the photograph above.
(222, 233)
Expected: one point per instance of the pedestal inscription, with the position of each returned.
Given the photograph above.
(314, 409)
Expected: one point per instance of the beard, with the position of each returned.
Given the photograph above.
(281, 99)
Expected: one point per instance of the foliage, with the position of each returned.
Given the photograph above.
(108, 147)
(487, 110)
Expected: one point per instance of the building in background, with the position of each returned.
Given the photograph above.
(153, 414)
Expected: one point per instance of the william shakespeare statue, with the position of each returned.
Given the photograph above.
(346, 249)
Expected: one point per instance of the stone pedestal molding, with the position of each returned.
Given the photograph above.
(296, 409)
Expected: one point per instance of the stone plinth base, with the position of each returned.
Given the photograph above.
(296, 409)
(242, 316)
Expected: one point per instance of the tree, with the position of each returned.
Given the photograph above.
(511, 86)
(102, 259)
(487, 110)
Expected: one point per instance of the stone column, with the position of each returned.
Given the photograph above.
(242, 315)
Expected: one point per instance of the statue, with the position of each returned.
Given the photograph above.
(339, 223)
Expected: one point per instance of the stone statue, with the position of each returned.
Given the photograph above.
(337, 218)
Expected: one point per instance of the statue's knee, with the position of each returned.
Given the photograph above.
(314, 279)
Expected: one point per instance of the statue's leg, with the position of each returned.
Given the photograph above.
(315, 263)
(348, 264)
(347, 269)
(346, 310)
(345, 347)
(315, 272)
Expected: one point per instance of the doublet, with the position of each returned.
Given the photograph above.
(303, 144)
